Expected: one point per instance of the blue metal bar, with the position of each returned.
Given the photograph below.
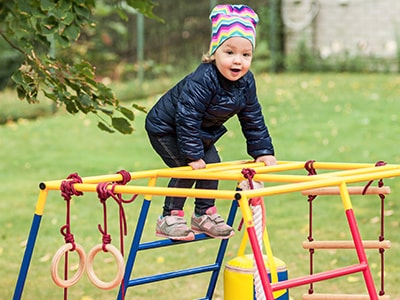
(173, 274)
(168, 242)
(135, 245)
(23, 272)
(221, 252)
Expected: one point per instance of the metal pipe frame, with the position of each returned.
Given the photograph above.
(333, 175)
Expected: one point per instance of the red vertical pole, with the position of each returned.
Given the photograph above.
(362, 257)
(260, 263)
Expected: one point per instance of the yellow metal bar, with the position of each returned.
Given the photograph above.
(226, 171)
(360, 171)
(243, 243)
(159, 191)
(41, 202)
(246, 211)
(344, 193)
(152, 183)
(301, 183)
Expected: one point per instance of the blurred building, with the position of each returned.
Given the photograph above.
(351, 28)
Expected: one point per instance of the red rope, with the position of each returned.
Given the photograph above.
(67, 191)
(104, 193)
(249, 175)
(378, 164)
(382, 225)
(309, 166)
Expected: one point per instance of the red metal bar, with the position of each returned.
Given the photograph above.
(290, 283)
(362, 257)
(260, 263)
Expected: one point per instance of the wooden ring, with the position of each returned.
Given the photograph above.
(56, 260)
(92, 275)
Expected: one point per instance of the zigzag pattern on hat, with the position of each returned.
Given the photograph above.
(232, 20)
(242, 11)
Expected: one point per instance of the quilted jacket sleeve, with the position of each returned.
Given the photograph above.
(258, 139)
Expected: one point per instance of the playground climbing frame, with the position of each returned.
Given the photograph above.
(330, 174)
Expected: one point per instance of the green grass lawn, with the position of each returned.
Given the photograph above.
(325, 117)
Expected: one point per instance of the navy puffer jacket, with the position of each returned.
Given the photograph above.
(196, 108)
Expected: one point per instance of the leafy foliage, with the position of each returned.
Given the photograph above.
(36, 28)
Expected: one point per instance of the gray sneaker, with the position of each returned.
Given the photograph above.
(174, 227)
(212, 224)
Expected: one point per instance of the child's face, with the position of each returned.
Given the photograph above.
(233, 58)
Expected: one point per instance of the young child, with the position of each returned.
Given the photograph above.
(185, 123)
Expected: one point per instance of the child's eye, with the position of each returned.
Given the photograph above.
(229, 52)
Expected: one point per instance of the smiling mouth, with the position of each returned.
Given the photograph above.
(235, 70)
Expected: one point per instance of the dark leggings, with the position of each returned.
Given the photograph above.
(167, 147)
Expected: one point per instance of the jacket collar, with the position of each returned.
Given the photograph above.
(229, 84)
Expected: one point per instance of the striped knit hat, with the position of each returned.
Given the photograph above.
(232, 20)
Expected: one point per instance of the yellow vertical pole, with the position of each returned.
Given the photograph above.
(41, 202)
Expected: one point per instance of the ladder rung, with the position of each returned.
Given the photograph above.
(385, 244)
(353, 190)
(168, 242)
(173, 274)
(315, 296)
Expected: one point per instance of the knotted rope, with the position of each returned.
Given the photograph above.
(309, 166)
(104, 192)
(67, 191)
(382, 227)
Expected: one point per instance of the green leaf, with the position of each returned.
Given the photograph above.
(105, 91)
(82, 11)
(106, 111)
(122, 125)
(139, 107)
(50, 95)
(104, 127)
(17, 77)
(85, 100)
(71, 107)
(127, 113)
(25, 8)
(62, 41)
(49, 26)
(72, 32)
(68, 18)
(47, 5)
(21, 92)
(145, 7)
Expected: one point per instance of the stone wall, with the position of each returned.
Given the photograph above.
(368, 28)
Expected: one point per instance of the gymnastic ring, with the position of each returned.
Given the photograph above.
(65, 283)
(92, 275)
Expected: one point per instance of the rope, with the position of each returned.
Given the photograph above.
(67, 191)
(249, 175)
(382, 227)
(258, 211)
(104, 192)
(309, 166)
(257, 217)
